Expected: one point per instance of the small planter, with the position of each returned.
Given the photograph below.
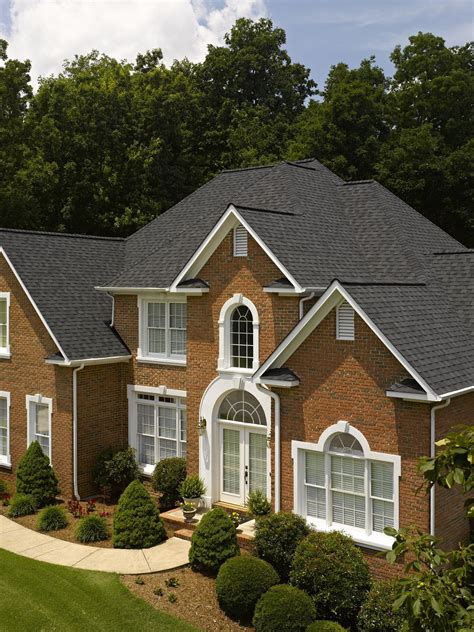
(189, 514)
(194, 502)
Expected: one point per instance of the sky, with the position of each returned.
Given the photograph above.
(319, 32)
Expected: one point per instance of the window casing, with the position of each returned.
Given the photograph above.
(241, 325)
(5, 458)
(39, 414)
(342, 485)
(4, 324)
(238, 336)
(163, 330)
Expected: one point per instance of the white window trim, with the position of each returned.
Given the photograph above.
(224, 362)
(142, 351)
(39, 399)
(5, 460)
(5, 351)
(374, 540)
(133, 390)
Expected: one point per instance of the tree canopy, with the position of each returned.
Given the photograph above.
(106, 145)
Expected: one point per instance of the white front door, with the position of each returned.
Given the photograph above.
(243, 463)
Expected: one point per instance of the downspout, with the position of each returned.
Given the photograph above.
(74, 430)
(432, 455)
(277, 478)
(303, 300)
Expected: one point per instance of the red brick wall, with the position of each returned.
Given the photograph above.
(451, 523)
(26, 373)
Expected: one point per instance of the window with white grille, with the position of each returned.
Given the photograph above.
(344, 322)
(240, 241)
(39, 410)
(4, 428)
(4, 324)
(163, 330)
(241, 323)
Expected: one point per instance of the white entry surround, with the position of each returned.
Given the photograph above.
(209, 440)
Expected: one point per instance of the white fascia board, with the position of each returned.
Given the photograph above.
(320, 310)
(229, 220)
(278, 383)
(282, 292)
(35, 307)
(130, 290)
(90, 361)
(410, 397)
(461, 391)
(192, 291)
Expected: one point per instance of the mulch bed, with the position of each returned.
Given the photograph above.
(196, 600)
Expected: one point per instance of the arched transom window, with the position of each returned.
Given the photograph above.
(242, 407)
(241, 326)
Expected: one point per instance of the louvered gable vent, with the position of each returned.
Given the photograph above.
(240, 241)
(345, 322)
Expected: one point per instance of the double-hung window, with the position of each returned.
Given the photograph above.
(39, 410)
(5, 428)
(4, 324)
(163, 330)
(160, 428)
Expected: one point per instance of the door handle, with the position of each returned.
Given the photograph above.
(246, 474)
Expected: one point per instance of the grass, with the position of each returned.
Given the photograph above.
(40, 597)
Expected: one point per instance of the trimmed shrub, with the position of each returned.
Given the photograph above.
(258, 504)
(137, 522)
(240, 583)
(167, 477)
(276, 539)
(22, 505)
(3, 488)
(332, 569)
(35, 476)
(376, 614)
(91, 529)
(284, 608)
(192, 487)
(52, 519)
(115, 469)
(213, 542)
(325, 626)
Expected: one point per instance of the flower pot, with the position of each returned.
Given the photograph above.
(195, 502)
(189, 514)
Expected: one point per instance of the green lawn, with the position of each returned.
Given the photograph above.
(40, 597)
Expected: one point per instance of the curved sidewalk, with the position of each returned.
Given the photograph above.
(18, 539)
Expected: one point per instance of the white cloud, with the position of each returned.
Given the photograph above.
(49, 31)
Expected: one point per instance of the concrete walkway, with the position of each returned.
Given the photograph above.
(18, 539)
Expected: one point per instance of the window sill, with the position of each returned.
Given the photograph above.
(7, 465)
(166, 361)
(377, 541)
(5, 354)
(146, 470)
(236, 371)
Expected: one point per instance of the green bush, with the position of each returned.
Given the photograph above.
(22, 505)
(137, 522)
(213, 542)
(376, 614)
(3, 487)
(258, 504)
(116, 468)
(284, 609)
(35, 476)
(276, 539)
(332, 569)
(192, 487)
(52, 519)
(167, 477)
(91, 529)
(240, 583)
(325, 626)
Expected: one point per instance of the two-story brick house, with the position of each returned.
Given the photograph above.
(283, 329)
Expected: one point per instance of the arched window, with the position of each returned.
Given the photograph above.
(242, 407)
(241, 332)
(238, 335)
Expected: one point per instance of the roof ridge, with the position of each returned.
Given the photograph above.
(352, 182)
(269, 166)
(468, 251)
(58, 234)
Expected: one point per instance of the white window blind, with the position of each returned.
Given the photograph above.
(381, 492)
(344, 322)
(4, 430)
(4, 343)
(240, 241)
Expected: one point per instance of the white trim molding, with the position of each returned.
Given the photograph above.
(142, 352)
(363, 536)
(5, 351)
(89, 361)
(5, 459)
(31, 401)
(224, 362)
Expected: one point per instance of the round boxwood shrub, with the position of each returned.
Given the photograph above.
(332, 569)
(276, 539)
(240, 583)
(167, 477)
(52, 519)
(213, 542)
(115, 469)
(376, 614)
(91, 529)
(284, 608)
(325, 626)
(22, 505)
(137, 522)
(35, 476)
(258, 504)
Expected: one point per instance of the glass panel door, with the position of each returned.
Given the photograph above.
(257, 462)
(231, 462)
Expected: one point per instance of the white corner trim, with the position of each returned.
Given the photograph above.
(313, 318)
(132, 389)
(30, 298)
(229, 220)
(6, 460)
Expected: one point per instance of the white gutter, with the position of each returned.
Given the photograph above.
(74, 430)
(277, 478)
(432, 455)
(303, 300)
(89, 361)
